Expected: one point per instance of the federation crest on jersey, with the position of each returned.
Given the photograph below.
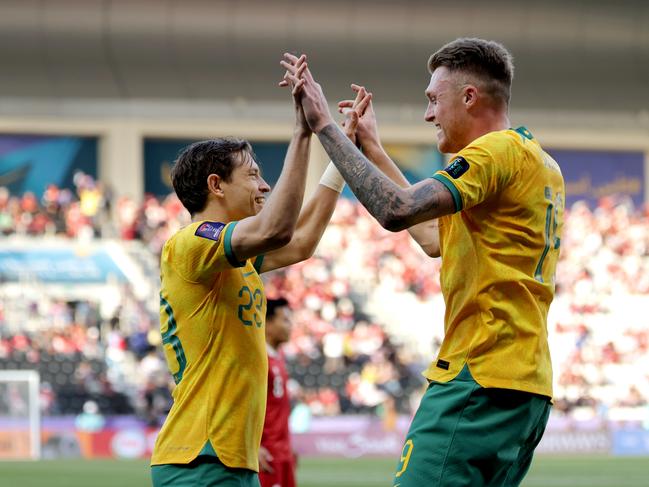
(210, 230)
(457, 167)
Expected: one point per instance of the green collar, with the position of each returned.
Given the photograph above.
(524, 132)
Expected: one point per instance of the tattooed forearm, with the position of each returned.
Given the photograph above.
(395, 208)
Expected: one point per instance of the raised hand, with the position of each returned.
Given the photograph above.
(310, 93)
(353, 113)
(295, 83)
(367, 132)
(293, 77)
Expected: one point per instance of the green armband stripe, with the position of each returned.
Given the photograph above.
(227, 243)
(258, 262)
(457, 199)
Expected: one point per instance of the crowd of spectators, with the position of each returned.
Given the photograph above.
(599, 324)
(88, 211)
(345, 354)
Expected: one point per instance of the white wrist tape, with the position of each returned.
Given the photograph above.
(332, 179)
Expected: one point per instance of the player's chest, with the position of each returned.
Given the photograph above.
(243, 298)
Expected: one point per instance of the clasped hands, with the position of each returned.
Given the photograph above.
(359, 122)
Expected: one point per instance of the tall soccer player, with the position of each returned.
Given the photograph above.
(499, 205)
(276, 457)
(212, 302)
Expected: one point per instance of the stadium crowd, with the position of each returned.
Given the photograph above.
(342, 356)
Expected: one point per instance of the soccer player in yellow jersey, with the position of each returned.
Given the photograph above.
(212, 303)
(495, 216)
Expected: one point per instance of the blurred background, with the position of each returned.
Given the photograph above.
(96, 99)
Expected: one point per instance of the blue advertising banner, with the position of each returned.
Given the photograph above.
(589, 175)
(32, 162)
(631, 442)
(592, 175)
(59, 266)
(160, 154)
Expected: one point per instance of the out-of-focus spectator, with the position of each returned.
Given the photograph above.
(346, 350)
(90, 419)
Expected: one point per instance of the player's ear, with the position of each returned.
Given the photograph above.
(470, 96)
(214, 185)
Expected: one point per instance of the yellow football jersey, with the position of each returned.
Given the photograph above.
(212, 319)
(499, 254)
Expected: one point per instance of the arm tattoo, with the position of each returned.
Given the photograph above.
(393, 207)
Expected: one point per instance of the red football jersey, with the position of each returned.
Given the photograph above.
(278, 409)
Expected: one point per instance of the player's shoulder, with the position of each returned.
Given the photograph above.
(510, 146)
(192, 237)
(198, 232)
(209, 230)
(504, 139)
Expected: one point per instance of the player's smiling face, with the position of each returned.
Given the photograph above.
(445, 109)
(247, 190)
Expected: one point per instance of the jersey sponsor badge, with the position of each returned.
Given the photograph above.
(443, 364)
(210, 230)
(457, 167)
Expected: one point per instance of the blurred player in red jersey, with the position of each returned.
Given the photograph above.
(276, 458)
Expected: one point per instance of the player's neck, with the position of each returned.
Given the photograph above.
(493, 121)
(212, 212)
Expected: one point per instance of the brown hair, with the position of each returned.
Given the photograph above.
(488, 61)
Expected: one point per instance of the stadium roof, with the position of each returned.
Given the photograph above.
(572, 56)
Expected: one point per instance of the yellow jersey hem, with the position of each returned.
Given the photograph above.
(488, 383)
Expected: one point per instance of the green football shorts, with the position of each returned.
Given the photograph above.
(467, 435)
(204, 471)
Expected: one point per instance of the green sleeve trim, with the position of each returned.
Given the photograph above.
(457, 199)
(258, 262)
(227, 243)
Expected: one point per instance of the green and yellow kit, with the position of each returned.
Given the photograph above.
(499, 254)
(212, 319)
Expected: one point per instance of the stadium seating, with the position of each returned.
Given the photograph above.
(350, 352)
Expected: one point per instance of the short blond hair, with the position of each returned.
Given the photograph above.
(488, 61)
